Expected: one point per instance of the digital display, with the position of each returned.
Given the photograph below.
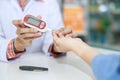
(33, 21)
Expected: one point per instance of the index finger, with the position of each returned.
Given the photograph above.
(55, 37)
(65, 31)
(18, 23)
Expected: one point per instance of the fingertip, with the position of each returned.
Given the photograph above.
(55, 36)
(16, 22)
(53, 32)
(13, 21)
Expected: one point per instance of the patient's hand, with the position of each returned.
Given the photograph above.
(64, 44)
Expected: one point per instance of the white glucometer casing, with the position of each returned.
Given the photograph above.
(34, 22)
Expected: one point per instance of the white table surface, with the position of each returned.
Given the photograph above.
(70, 67)
(64, 68)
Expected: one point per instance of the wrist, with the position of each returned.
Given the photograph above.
(56, 53)
(86, 52)
(18, 46)
(89, 55)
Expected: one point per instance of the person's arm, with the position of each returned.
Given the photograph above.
(3, 46)
(13, 48)
(12, 52)
(86, 52)
(54, 21)
(106, 67)
(6, 48)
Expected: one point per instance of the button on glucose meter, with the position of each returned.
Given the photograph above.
(34, 22)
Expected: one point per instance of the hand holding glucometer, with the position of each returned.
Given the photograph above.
(34, 22)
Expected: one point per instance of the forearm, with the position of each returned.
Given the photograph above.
(85, 52)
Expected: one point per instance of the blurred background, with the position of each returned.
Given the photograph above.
(95, 21)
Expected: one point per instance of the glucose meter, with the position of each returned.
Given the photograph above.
(34, 22)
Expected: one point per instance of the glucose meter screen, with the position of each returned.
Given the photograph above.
(33, 21)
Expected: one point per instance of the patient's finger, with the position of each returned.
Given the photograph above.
(55, 37)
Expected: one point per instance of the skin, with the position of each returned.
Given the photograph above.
(63, 40)
(23, 2)
(65, 44)
(63, 32)
(25, 36)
